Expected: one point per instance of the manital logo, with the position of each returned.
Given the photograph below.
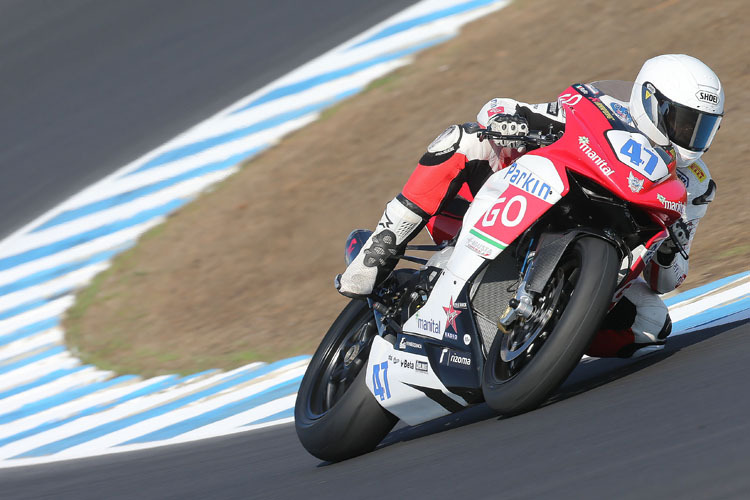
(671, 205)
(583, 145)
(430, 325)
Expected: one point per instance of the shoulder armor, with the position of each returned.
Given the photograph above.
(446, 142)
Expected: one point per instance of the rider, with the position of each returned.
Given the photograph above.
(676, 101)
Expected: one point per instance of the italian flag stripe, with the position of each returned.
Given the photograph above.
(489, 239)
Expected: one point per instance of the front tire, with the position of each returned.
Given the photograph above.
(336, 415)
(568, 312)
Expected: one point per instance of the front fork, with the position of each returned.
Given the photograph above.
(547, 253)
(379, 312)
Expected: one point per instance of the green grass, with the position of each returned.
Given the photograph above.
(735, 251)
(384, 82)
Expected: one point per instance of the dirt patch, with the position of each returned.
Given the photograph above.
(246, 272)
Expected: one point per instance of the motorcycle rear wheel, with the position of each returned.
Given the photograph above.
(335, 415)
(567, 314)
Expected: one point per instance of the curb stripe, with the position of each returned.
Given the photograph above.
(51, 351)
(128, 196)
(55, 272)
(53, 248)
(427, 18)
(695, 292)
(160, 385)
(27, 306)
(109, 427)
(50, 377)
(712, 315)
(289, 412)
(63, 397)
(204, 144)
(314, 81)
(29, 330)
(265, 396)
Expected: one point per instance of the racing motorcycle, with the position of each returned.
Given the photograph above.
(515, 288)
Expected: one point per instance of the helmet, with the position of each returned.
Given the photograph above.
(678, 100)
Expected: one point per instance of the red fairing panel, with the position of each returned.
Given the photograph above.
(599, 146)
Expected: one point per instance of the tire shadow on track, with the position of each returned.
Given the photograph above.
(586, 377)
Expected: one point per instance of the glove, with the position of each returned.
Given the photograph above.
(509, 125)
(668, 249)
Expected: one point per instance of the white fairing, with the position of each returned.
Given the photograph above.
(390, 370)
(388, 373)
(429, 321)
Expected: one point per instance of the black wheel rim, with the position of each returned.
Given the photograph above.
(341, 364)
(519, 346)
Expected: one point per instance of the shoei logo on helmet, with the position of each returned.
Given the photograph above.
(709, 97)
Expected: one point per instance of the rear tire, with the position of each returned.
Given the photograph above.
(587, 274)
(336, 415)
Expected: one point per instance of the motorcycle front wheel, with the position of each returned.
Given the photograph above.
(336, 415)
(525, 365)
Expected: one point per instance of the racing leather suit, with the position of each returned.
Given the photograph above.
(457, 160)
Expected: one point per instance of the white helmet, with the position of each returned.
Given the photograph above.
(677, 99)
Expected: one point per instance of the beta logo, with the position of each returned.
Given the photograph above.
(708, 97)
(407, 363)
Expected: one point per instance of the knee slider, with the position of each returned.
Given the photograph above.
(666, 329)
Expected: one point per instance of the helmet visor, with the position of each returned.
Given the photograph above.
(684, 126)
(690, 128)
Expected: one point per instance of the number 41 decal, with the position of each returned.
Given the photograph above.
(632, 150)
(378, 388)
(637, 154)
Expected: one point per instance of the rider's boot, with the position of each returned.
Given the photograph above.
(401, 221)
(639, 324)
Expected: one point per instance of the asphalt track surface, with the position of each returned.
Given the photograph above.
(672, 425)
(87, 86)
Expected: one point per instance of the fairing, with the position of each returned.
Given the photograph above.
(616, 156)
